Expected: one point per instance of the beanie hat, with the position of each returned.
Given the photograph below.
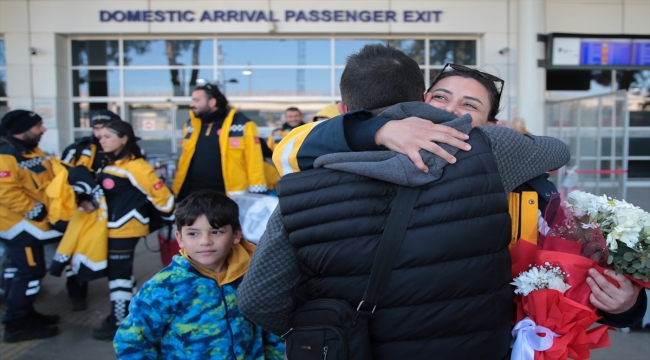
(18, 122)
(102, 117)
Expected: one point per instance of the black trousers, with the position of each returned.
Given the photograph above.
(23, 276)
(121, 281)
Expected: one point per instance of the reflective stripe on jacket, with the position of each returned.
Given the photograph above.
(242, 164)
(130, 186)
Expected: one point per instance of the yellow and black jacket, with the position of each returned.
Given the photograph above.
(242, 164)
(527, 206)
(278, 134)
(85, 152)
(134, 195)
(84, 245)
(24, 175)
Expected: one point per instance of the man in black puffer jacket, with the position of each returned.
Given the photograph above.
(448, 295)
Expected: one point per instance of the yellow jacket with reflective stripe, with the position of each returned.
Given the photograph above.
(24, 176)
(130, 187)
(242, 164)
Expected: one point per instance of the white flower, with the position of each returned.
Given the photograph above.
(539, 278)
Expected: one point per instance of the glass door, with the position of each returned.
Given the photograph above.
(153, 124)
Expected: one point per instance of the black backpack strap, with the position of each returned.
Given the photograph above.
(389, 245)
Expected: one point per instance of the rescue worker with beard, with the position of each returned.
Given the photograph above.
(221, 149)
(24, 173)
(293, 118)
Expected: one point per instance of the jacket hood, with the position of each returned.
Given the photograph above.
(394, 167)
(238, 261)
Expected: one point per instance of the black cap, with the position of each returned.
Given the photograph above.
(103, 116)
(18, 121)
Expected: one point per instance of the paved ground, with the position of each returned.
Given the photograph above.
(75, 343)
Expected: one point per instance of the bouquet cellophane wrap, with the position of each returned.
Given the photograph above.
(570, 314)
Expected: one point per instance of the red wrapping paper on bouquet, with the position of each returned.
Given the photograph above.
(569, 315)
(570, 320)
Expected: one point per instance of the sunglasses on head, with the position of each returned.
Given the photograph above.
(461, 68)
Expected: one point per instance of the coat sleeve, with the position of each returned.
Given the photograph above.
(254, 159)
(139, 334)
(304, 144)
(12, 194)
(155, 189)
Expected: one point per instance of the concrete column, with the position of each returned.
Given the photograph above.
(531, 80)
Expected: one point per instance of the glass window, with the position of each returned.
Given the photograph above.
(345, 48)
(95, 53)
(89, 83)
(461, 52)
(274, 52)
(277, 82)
(168, 52)
(337, 81)
(3, 60)
(173, 82)
(3, 108)
(3, 83)
(83, 111)
(413, 48)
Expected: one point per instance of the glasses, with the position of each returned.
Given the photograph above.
(482, 74)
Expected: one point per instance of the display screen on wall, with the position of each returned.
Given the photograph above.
(606, 52)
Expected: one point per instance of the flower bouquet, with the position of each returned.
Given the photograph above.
(552, 295)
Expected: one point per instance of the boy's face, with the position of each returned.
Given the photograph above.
(207, 246)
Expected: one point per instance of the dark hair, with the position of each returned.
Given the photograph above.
(212, 92)
(493, 92)
(122, 129)
(379, 76)
(219, 209)
(293, 108)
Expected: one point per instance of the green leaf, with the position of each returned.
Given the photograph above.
(628, 256)
(630, 270)
(636, 264)
(638, 276)
(610, 259)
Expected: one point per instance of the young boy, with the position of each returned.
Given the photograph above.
(189, 310)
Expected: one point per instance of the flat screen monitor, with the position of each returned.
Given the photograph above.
(599, 52)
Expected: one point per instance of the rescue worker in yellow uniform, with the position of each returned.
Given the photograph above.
(221, 149)
(87, 151)
(135, 198)
(293, 118)
(24, 173)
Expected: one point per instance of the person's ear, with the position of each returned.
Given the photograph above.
(179, 239)
(236, 237)
(343, 108)
(124, 140)
(427, 97)
(212, 102)
(492, 123)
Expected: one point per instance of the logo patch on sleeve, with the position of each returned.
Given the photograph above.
(158, 185)
(108, 184)
(5, 174)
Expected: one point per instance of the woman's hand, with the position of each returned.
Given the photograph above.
(607, 296)
(410, 135)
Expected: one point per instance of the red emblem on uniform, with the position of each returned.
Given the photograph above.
(108, 184)
(257, 139)
(219, 132)
(158, 185)
(5, 174)
(234, 143)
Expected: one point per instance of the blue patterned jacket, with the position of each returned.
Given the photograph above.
(181, 314)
